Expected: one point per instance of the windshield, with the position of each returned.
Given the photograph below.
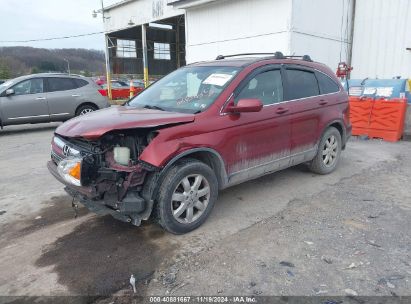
(187, 90)
(5, 85)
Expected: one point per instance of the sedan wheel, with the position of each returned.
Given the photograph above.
(86, 110)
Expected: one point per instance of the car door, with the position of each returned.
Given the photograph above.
(62, 96)
(28, 103)
(258, 142)
(302, 96)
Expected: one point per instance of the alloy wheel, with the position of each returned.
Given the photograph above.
(330, 151)
(190, 198)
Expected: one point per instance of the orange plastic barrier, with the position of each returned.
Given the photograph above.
(380, 118)
(360, 112)
(387, 119)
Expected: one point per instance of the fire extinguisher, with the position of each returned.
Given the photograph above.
(343, 70)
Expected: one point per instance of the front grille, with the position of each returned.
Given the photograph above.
(55, 157)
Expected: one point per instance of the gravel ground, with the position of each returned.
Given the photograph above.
(352, 238)
(289, 233)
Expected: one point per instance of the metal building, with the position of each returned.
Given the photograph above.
(185, 31)
(382, 39)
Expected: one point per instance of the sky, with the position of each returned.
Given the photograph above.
(36, 19)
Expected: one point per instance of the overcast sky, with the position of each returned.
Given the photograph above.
(35, 19)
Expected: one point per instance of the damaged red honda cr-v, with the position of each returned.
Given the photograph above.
(202, 128)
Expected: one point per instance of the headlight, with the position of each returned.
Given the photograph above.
(70, 170)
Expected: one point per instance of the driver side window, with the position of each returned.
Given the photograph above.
(266, 86)
(31, 86)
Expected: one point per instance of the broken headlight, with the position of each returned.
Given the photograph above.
(70, 170)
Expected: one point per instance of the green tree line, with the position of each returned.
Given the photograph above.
(17, 61)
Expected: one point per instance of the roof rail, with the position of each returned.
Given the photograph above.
(221, 57)
(276, 55)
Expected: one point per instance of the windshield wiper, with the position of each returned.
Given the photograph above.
(153, 107)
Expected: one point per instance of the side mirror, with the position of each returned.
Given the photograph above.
(9, 92)
(246, 105)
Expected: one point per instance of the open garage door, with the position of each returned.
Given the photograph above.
(165, 49)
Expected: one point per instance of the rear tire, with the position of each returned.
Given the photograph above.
(85, 109)
(329, 151)
(186, 197)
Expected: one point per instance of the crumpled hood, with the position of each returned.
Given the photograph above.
(96, 124)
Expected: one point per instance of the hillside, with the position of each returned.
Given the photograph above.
(16, 61)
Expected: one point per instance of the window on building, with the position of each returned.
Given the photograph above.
(126, 48)
(162, 51)
(302, 84)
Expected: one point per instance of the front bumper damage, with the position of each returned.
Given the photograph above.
(134, 207)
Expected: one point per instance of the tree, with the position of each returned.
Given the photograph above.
(4, 70)
(35, 70)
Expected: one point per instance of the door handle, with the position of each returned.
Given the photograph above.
(75, 95)
(281, 111)
(323, 102)
(41, 98)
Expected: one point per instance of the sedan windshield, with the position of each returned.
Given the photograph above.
(187, 90)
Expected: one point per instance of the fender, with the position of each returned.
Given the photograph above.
(154, 179)
(340, 122)
(221, 172)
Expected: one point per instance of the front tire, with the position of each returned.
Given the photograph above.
(187, 196)
(329, 151)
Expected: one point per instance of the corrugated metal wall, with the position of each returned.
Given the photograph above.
(237, 26)
(322, 29)
(382, 32)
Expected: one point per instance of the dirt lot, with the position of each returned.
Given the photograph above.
(289, 233)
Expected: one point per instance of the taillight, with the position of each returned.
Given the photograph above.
(103, 92)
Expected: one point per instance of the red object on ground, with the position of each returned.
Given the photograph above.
(378, 118)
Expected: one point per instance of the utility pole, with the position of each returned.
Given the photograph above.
(145, 57)
(68, 65)
(107, 55)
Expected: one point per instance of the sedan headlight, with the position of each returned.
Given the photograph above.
(70, 170)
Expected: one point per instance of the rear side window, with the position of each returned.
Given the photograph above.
(327, 85)
(80, 82)
(60, 84)
(301, 84)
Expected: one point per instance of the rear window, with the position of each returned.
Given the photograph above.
(327, 85)
(301, 84)
(61, 84)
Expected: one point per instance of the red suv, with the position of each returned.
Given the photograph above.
(202, 128)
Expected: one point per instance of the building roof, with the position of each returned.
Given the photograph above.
(120, 3)
(189, 3)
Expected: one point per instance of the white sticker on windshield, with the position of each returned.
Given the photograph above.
(218, 79)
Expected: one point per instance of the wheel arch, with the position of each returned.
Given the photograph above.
(339, 125)
(206, 155)
(86, 103)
